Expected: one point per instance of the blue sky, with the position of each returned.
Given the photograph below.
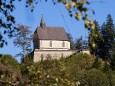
(57, 15)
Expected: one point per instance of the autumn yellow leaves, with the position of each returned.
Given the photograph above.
(68, 6)
(79, 8)
(79, 11)
(78, 16)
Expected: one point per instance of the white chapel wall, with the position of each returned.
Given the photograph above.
(56, 45)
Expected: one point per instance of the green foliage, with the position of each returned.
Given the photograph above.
(9, 70)
(39, 74)
(112, 78)
(83, 61)
(99, 64)
(75, 70)
(94, 39)
(27, 59)
(108, 33)
(101, 40)
(8, 60)
(95, 77)
(76, 65)
(80, 44)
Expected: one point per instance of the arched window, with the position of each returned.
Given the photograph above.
(50, 43)
(63, 44)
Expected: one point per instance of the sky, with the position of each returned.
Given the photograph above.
(57, 15)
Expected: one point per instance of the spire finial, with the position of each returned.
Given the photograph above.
(42, 23)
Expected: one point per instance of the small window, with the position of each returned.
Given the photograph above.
(50, 43)
(63, 44)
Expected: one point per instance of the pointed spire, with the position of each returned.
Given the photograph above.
(42, 23)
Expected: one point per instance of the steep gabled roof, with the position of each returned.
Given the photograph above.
(52, 33)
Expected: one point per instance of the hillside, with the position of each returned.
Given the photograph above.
(76, 70)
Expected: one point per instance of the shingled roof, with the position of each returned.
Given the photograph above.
(52, 33)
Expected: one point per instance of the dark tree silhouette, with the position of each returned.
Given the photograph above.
(108, 35)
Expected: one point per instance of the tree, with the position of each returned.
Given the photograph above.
(8, 24)
(9, 70)
(8, 60)
(81, 44)
(28, 58)
(7, 21)
(23, 39)
(78, 44)
(95, 77)
(94, 39)
(101, 41)
(108, 35)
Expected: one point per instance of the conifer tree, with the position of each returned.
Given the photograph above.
(107, 32)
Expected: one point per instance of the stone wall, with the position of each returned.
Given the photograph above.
(54, 54)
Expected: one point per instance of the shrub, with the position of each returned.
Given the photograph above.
(8, 60)
(27, 59)
(76, 65)
(112, 78)
(94, 77)
(99, 64)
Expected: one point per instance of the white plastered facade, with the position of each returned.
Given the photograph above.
(54, 45)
